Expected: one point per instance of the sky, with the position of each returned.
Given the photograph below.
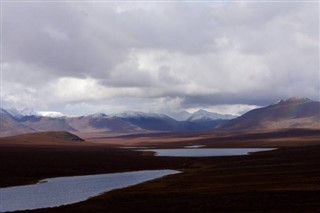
(226, 57)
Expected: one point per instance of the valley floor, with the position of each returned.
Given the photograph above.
(282, 180)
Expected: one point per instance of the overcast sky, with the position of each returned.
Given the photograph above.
(81, 57)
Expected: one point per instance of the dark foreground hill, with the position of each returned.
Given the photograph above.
(42, 138)
(278, 181)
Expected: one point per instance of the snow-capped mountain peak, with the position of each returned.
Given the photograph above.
(19, 113)
(51, 114)
(136, 114)
(27, 112)
(30, 112)
(205, 115)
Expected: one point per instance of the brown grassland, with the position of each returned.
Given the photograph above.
(282, 180)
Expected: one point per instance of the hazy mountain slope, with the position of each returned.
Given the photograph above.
(200, 115)
(292, 113)
(180, 116)
(149, 121)
(208, 124)
(9, 126)
(161, 122)
(101, 122)
(40, 123)
(206, 116)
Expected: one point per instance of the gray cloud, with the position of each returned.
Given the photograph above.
(186, 55)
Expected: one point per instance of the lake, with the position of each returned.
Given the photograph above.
(194, 146)
(59, 191)
(205, 152)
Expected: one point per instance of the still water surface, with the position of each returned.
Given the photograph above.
(205, 152)
(59, 191)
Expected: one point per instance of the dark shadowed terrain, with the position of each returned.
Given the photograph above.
(283, 180)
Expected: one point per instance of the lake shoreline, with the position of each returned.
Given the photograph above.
(60, 191)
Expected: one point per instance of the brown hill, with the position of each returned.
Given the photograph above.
(292, 113)
(42, 138)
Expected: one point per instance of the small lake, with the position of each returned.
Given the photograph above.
(205, 152)
(194, 146)
(59, 191)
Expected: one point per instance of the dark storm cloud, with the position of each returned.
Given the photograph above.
(55, 37)
(83, 39)
(174, 54)
(225, 99)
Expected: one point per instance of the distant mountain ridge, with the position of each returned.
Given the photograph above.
(130, 121)
(291, 113)
(30, 112)
(205, 115)
(200, 115)
(162, 122)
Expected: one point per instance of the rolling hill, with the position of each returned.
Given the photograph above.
(42, 138)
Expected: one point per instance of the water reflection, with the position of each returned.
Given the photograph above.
(66, 190)
(205, 152)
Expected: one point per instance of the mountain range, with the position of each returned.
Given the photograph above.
(291, 113)
(14, 122)
(200, 115)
